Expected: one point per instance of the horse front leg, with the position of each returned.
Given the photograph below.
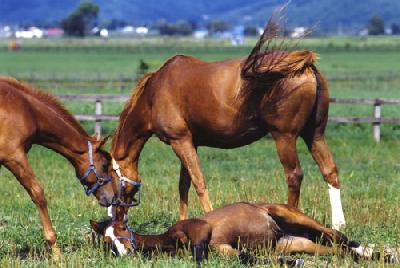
(19, 166)
(187, 154)
(184, 185)
(286, 149)
(323, 157)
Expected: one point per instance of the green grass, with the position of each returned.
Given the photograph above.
(369, 175)
(369, 172)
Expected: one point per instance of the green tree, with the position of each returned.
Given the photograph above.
(179, 28)
(395, 29)
(250, 31)
(142, 69)
(81, 19)
(217, 26)
(183, 28)
(376, 26)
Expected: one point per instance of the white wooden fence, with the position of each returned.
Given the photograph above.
(376, 119)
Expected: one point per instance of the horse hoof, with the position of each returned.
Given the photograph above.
(55, 253)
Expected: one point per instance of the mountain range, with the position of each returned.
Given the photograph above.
(325, 14)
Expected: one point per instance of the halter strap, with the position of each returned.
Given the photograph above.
(99, 180)
(122, 185)
(131, 239)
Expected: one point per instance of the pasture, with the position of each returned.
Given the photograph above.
(369, 172)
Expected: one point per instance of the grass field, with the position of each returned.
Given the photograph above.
(369, 172)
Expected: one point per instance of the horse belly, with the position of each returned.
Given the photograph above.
(227, 136)
(232, 226)
(260, 231)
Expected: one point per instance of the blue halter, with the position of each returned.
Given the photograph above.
(131, 239)
(121, 193)
(99, 180)
(122, 186)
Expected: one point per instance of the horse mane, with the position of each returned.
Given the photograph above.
(47, 99)
(270, 61)
(136, 93)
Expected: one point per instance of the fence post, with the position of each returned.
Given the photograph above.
(377, 125)
(97, 126)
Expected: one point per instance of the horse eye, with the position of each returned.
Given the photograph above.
(105, 167)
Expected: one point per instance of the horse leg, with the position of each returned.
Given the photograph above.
(226, 250)
(19, 166)
(297, 244)
(187, 154)
(323, 157)
(294, 223)
(286, 148)
(184, 185)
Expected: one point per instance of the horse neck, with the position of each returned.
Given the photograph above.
(152, 241)
(62, 136)
(123, 141)
(127, 144)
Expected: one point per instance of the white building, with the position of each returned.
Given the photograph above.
(31, 32)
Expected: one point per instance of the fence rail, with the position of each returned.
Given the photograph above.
(376, 120)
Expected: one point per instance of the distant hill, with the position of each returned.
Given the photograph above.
(327, 14)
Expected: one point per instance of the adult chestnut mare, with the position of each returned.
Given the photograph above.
(29, 116)
(227, 104)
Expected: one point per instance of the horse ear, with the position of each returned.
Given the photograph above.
(102, 141)
(99, 227)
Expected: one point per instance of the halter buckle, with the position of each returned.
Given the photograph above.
(91, 168)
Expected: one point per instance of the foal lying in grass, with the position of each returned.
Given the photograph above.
(234, 227)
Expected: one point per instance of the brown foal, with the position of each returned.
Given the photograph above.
(29, 116)
(188, 103)
(238, 226)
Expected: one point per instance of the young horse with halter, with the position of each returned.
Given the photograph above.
(29, 116)
(227, 104)
(280, 228)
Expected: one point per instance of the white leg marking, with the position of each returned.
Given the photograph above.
(120, 247)
(111, 212)
(337, 210)
(365, 252)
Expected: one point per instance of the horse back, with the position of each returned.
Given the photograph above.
(16, 113)
(189, 95)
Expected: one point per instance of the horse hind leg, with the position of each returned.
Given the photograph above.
(19, 166)
(286, 149)
(323, 157)
(297, 244)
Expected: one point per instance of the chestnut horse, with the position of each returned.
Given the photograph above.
(29, 116)
(188, 103)
(280, 228)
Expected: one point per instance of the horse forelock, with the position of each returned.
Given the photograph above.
(47, 99)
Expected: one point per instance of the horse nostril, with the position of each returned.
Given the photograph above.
(104, 201)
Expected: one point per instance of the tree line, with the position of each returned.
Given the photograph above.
(84, 18)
